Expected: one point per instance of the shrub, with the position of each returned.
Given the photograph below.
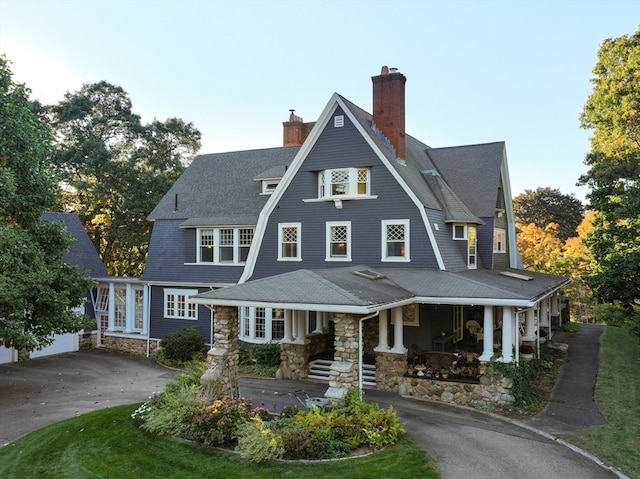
(258, 443)
(182, 344)
(169, 413)
(309, 443)
(266, 355)
(217, 424)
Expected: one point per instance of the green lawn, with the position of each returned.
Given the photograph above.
(107, 444)
(618, 398)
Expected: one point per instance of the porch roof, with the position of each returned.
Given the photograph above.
(344, 290)
(335, 289)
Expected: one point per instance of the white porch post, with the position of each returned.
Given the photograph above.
(112, 308)
(529, 325)
(383, 331)
(130, 308)
(300, 329)
(398, 335)
(487, 334)
(288, 326)
(507, 334)
(145, 310)
(318, 328)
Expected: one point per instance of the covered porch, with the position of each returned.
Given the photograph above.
(355, 316)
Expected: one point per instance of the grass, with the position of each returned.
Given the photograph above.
(107, 443)
(617, 395)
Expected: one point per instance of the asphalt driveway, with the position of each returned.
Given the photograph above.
(464, 443)
(46, 390)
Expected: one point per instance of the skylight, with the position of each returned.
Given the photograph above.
(511, 274)
(372, 275)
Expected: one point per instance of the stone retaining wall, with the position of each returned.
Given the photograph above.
(135, 346)
(490, 392)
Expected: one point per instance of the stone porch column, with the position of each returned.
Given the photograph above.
(344, 371)
(221, 377)
(487, 334)
(508, 320)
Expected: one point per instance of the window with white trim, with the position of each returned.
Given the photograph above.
(459, 231)
(102, 300)
(261, 325)
(499, 240)
(224, 245)
(269, 186)
(289, 236)
(338, 241)
(138, 309)
(395, 240)
(471, 247)
(344, 183)
(177, 304)
(120, 309)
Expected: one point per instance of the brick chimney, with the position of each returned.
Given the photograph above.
(388, 107)
(295, 131)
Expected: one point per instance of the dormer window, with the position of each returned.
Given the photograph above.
(269, 186)
(344, 183)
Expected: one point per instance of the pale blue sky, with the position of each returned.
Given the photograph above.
(477, 71)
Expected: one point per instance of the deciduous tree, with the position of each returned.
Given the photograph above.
(116, 169)
(543, 206)
(612, 112)
(37, 290)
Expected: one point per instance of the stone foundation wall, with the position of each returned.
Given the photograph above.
(135, 346)
(490, 391)
(390, 369)
(88, 340)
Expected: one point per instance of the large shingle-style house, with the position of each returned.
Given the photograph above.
(354, 242)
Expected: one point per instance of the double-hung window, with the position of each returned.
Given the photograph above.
(499, 240)
(224, 245)
(344, 182)
(289, 236)
(338, 241)
(395, 240)
(177, 304)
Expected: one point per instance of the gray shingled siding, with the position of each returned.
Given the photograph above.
(337, 148)
(453, 255)
(160, 326)
(485, 244)
(171, 247)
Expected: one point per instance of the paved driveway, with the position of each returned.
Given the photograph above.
(46, 390)
(464, 443)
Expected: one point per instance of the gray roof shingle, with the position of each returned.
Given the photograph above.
(220, 188)
(82, 253)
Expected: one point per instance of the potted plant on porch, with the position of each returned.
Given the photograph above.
(526, 352)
